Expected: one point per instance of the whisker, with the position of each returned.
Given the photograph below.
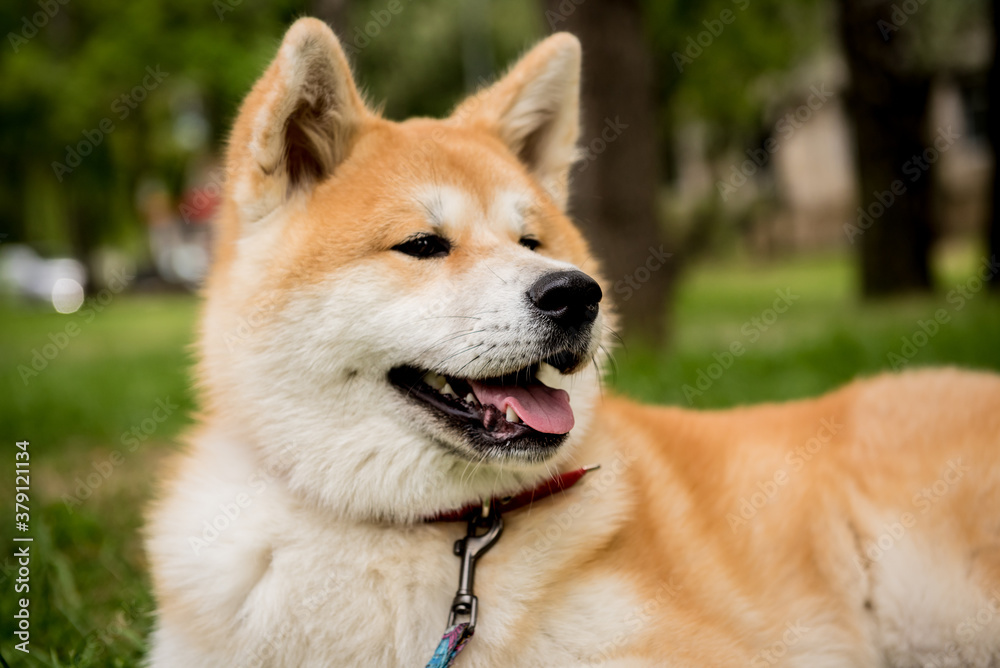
(461, 478)
(452, 338)
(611, 360)
(548, 472)
(495, 273)
(618, 336)
(460, 352)
(482, 458)
(496, 481)
(597, 368)
(478, 355)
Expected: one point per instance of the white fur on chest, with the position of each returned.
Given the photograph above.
(282, 584)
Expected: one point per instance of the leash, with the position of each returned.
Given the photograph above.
(468, 549)
(485, 524)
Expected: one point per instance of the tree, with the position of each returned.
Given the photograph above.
(887, 102)
(993, 129)
(336, 13)
(615, 183)
(91, 104)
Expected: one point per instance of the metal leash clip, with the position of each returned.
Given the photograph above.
(469, 549)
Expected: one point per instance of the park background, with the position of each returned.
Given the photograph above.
(810, 182)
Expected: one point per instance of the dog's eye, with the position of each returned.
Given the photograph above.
(424, 246)
(531, 243)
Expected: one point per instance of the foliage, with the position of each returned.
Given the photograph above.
(714, 57)
(74, 70)
(66, 72)
(61, 83)
(449, 49)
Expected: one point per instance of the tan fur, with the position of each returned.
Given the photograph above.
(716, 538)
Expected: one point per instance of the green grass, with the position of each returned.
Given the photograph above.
(825, 338)
(90, 598)
(90, 589)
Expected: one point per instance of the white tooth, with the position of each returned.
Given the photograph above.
(550, 376)
(512, 416)
(470, 398)
(435, 380)
(447, 391)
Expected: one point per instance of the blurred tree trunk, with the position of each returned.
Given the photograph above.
(335, 14)
(88, 214)
(888, 104)
(993, 131)
(615, 183)
(478, 63)
(12, 196)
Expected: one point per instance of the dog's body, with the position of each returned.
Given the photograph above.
(366, 270)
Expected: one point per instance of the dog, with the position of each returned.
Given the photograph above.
(400, 361)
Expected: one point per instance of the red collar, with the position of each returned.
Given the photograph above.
(506, 504)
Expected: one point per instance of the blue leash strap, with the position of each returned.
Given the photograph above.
(452, 642)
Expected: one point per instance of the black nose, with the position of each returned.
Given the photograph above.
(570, 298)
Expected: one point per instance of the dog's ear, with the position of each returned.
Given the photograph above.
(535, 110)
(297, 124)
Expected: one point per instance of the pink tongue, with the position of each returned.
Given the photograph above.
(542, 408)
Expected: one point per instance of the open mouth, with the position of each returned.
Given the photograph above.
(516, 411)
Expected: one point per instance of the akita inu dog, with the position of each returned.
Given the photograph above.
(401, 349)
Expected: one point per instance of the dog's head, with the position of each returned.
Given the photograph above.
(401, 315)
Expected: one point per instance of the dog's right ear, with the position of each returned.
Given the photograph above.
(297, 124)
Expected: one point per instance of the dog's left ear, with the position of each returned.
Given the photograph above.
(535, 110)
